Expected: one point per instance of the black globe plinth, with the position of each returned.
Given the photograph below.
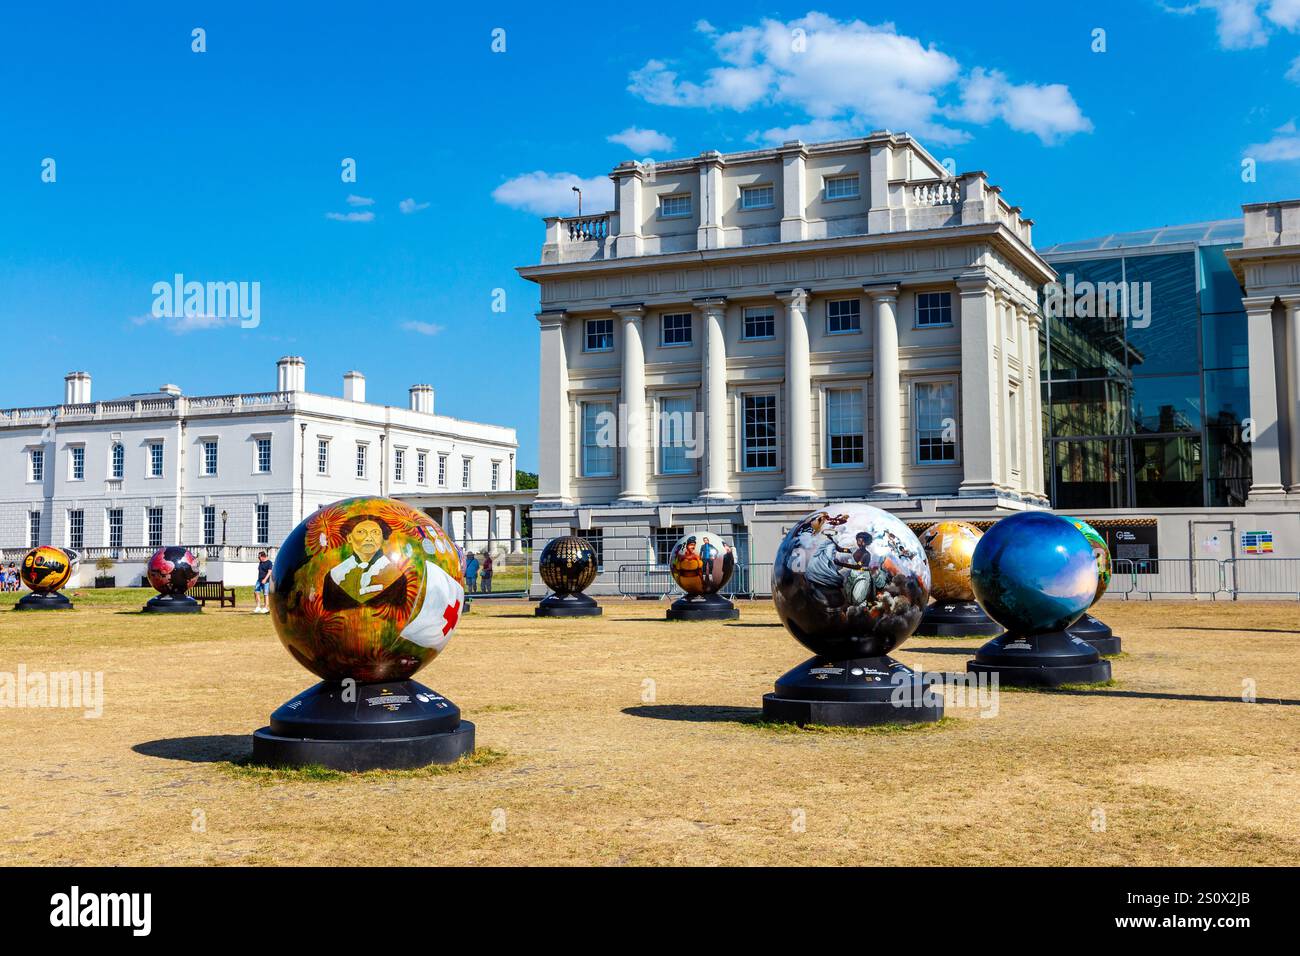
(567, 605)
(1040, 660)
(50, 601)
(172, 604)
(1097, 633)
(385, 726)
(956, 619)
(861, 692)
(702, 607)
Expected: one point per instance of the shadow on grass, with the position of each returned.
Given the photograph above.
(754, 624)
(1254, 630)
(967, 651)
(697, 713)
(213, 748)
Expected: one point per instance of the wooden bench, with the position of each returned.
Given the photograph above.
(213, 591)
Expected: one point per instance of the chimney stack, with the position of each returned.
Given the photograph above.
(76, 388)
(422, 399)
(291, 374)
(354, 386)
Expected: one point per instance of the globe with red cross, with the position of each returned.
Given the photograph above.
(366, 588)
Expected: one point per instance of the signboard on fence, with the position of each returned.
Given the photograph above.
(1134, 542)
(1257, 542)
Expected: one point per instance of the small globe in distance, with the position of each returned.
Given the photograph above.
(45, 569)
(701, 563)
(1100, 551)
(172, 570)
(1034, 573)
(568, 564)
(366, 588)
(850, 581)
(949, 546)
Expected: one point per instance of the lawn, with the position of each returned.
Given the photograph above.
(631, 740)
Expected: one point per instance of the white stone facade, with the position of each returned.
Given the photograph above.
(263, 460)
(848, 295)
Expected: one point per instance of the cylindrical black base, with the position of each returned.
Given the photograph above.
(1040, 660)
(567, 605)
(392, 726)
(709, 607)
(1097, 633)
(957, 619)
(53, 601)
(172, 604)
(852, 693)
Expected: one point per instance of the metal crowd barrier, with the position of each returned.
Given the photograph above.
(1149, 578)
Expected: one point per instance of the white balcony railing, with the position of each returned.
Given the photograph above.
(943, 192)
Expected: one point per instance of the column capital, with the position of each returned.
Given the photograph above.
(552, 318)
(881, 290)
(628, 310)
(1258, 303)
(797, 297)
(979, 283)
(710, 303)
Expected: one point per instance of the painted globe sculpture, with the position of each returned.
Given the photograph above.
(1100, 552)
(45, 569)
(702, 563)
(366, 588)
(568, 564)
(1034, 573)
(172, 570)
(949, 546)
(850, 581)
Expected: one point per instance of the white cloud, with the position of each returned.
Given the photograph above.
(551, 194)
(423, 328)
(1293, 74)
(642, 141)
(1283, 147)
(1244, 24)
(849, 77)
(182, 324)
(1049, 112)
(409, 206)
(350, 216)
(360, 201)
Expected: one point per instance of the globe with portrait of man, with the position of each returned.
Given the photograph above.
(702, 563)
(366, 588)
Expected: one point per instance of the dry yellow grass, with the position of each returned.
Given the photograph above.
(1184, 772)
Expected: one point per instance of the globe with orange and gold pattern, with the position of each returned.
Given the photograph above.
(366, 588)
(948, 547)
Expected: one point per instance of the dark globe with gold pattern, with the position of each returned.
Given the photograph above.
(568, 567)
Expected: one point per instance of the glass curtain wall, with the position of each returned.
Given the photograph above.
(1145, 382)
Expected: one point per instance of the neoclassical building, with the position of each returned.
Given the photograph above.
(747, 333)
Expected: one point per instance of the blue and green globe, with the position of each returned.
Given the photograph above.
(1034, 573)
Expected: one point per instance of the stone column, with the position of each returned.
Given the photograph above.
(794, 191)
(978, 316)
(798, 395)
(1266, 464)
(554, 459)
(516, 533)
(884, 374)
(1001, 412)
(633, 402)
(1036, 449)
(1291, 307)
(713, 387)
(708, 235)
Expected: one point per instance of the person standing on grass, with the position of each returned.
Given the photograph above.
(471, 572)
(487, 572)
(262, 588)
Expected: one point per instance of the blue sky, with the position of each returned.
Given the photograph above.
(225, 165)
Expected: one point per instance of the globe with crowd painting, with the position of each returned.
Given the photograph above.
(1035, 573)
(171, 571)
(850, 582)
(365, 593)
(701, 564)
(44, 570)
